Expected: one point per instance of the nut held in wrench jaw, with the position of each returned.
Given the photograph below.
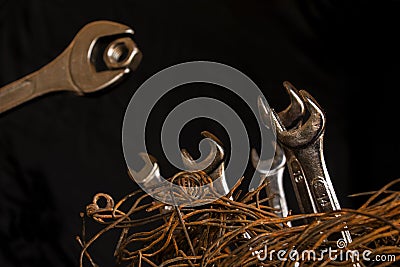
(85, 49)
(75, 69)
(120, 54)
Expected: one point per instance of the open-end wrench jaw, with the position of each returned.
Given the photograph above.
(295, 111)
(149, 175)
(213, 163)
(306, 132)
(288, 117)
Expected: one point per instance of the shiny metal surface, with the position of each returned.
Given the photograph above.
(303, 146)
(273, 178)
(99, 55)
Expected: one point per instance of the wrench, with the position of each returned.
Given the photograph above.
(289, 116)
(99, 55)
(149, 176)
(303, 146)
(213, 165)
(273, 177)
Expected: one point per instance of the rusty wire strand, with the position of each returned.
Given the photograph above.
(232, 230)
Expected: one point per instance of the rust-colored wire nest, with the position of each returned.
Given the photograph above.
(241, 230)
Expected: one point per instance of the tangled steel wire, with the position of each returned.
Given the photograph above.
(240, 230)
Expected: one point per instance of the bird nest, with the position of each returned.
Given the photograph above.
(239, 229)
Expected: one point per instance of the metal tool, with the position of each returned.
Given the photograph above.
(149, 176)
(303, 146)
(289, 116)
(216, 168)
(271, 173)
(272, 170)
(100, 54)
(213, 165)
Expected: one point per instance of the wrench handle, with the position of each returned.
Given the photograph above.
(15, 94)
(276, 192)
(317, 176)
(50, 78)
(322, 190)
(300, 185)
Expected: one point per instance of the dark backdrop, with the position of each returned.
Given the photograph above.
(57, 151)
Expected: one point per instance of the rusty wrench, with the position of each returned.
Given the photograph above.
(291, 115)
(99, 55)
(216, 160)
(213, 165)
(304, 149)
(303, 145)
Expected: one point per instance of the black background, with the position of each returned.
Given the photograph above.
(57, 151)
